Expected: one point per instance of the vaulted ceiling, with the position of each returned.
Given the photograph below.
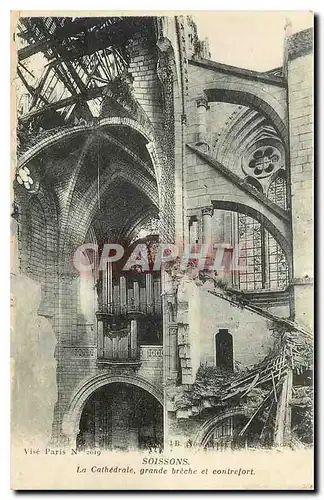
(106, 170)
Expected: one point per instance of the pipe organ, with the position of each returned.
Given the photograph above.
(129, 315)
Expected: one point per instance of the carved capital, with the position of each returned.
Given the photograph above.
(202, 100)
(173, 328)
(208, 211)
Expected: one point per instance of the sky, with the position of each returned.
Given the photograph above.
(252, 40)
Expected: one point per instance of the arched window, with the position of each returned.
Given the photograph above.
(221, 438)
(277, 191)
(224, 350)
(263, 263)
(224, 434)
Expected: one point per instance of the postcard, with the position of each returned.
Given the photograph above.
(162, 250)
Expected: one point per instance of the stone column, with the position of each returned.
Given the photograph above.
(100, 337)
(202, 108)
(173, 330)
(207, 214)
(169, 328)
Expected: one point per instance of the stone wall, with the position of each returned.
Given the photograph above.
(206, 314)
(300, 85)
(252, 338)
(146, 85)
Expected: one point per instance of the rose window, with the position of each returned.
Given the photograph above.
(264, 162)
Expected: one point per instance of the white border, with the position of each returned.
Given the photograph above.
(315, 5)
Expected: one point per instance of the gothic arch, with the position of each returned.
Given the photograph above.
(74, 233)
(251, 97)
(147, 131)
(71, 419)
(137, 221)
(239, 138)
(242, 135)
(154, 149)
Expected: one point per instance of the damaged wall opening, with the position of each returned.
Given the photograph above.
(224, 349)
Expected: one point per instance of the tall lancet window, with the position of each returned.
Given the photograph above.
(277, 191)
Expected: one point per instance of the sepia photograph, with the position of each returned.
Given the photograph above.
(162, 244)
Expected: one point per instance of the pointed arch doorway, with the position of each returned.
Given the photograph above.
(121, 417)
